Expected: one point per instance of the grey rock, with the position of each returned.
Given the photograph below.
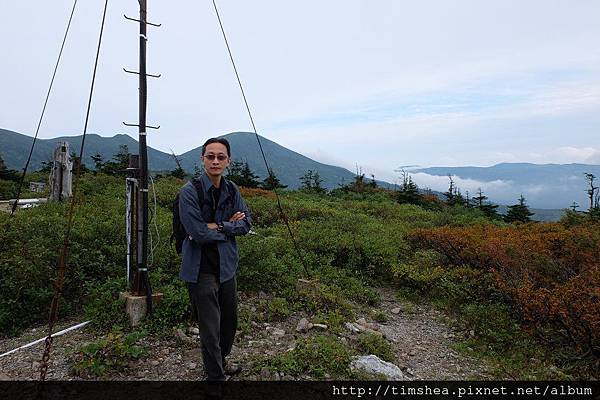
(372, 364)
(265, 374)
(354, 328)
(182, 337)
(303, 325)
(193, 330)
(320, 326)
(367, 325)
(396, 310)
(277, 332)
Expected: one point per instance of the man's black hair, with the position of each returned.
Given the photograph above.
(224, 142)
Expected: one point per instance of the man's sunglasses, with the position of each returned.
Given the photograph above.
(219, 157)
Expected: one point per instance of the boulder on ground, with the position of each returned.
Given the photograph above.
(372, 364)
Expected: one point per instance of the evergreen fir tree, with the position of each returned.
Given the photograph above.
(119, 162)
(98, 163)
(518, 212)
(7, 174)
(197, 171)
(451, 192)
(76, 161)
(489, 209)
(271, 182)
(409, 192)
(373, 183)
(311, 182)
(249, 179)
(234, 172)
(178, 172)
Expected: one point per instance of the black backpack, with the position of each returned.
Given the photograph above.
(179, 234)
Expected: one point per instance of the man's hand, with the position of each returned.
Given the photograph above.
(238, 216)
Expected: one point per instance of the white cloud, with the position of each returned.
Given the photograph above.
(372, 64)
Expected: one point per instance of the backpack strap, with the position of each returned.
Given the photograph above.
(197, 183)
(231, 190)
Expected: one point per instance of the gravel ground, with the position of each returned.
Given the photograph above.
(418, 334)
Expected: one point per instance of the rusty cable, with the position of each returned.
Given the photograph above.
(62, 260)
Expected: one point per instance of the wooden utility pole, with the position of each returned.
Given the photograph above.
(140, 284)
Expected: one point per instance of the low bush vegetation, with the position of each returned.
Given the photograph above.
(503, 281)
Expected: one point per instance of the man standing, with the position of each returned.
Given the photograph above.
(213, 212)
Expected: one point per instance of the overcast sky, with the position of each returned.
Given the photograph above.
(375, 83)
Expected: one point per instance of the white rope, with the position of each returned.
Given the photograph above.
(44, 338)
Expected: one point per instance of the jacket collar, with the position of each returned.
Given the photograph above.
(207, 184)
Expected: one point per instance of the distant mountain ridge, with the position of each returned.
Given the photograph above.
(288, 165)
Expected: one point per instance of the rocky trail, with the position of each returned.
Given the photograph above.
(419, 336)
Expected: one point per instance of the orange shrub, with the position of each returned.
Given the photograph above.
(550, 272)
(255, 192)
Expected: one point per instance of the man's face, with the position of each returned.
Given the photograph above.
(215, 159)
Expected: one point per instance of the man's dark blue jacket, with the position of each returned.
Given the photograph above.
(193, 220)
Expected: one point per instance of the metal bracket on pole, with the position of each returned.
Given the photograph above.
(137, 73)
(137, 20)
(147, 126)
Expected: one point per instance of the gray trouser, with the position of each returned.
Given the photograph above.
(216, 305)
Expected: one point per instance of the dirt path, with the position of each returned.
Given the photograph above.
(418, 334)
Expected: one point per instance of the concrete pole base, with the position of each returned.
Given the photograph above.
(135, 306)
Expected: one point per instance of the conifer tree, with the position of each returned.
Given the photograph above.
(7, 174)
(98, 163)
(592, 191)
(76, 161)
(451, 191)
(197, 171)
(119, 162)
(249, 179)
(373, 183)
(311, 182)
(178, 172)
(489, 209)
(518, 212)
(234, 172)
(271, 182)
(409, 192)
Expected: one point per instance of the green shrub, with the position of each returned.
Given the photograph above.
(492, 322)
(371, 343)
(103, 306)
(173, 309)
(315, 356)
(333, 319)
(8, 189)
(277, 309)
(111, 354)
(380, 316)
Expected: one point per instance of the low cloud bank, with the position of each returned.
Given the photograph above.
(553, 195)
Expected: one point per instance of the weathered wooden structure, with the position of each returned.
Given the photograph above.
(61, 173)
